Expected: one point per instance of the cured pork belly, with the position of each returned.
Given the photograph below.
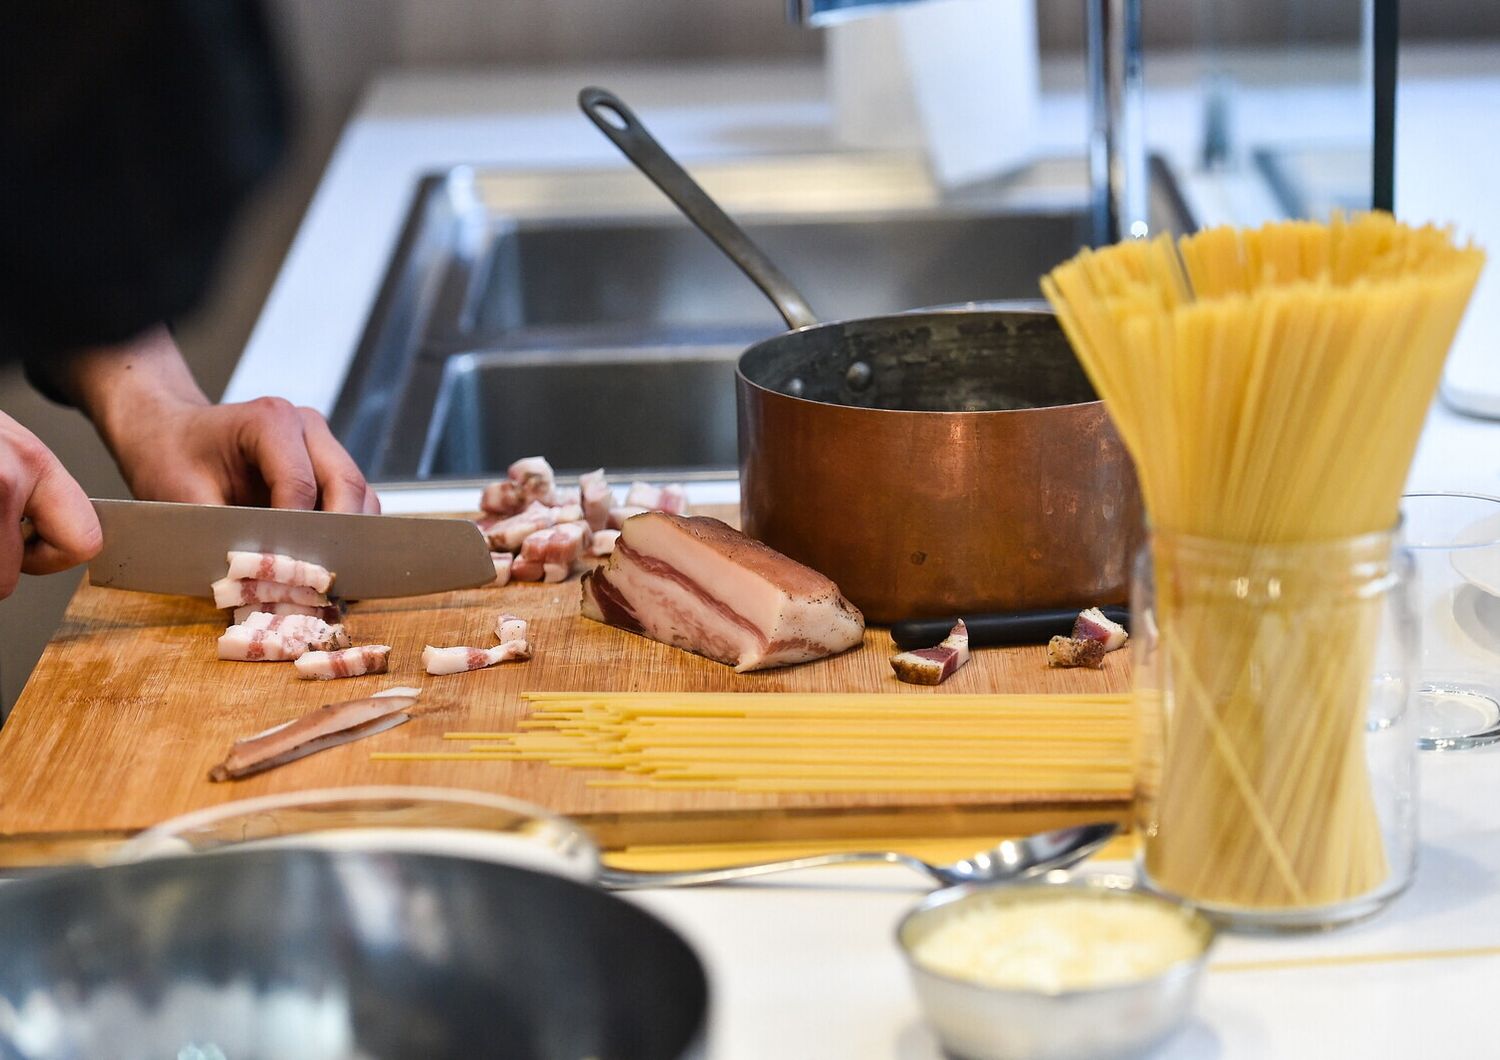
(332, 614)
(933, 666)
(548, 555)
(604, 542)
(274, 567)
(695, 583)
(442, 661)
(1093, 624)
(1075, 651)
(506, 535)
(671, 498)
(509, 628)
(350, 662)
(276, 638)
(503, 562)
(232, 592)
(526, 481)
(597, 499)
(328, 726)
(617, 516)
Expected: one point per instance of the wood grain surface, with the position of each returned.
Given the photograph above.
(128, 708)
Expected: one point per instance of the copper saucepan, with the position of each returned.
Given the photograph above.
(930, 463)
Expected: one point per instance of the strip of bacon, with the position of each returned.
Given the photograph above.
(509, 628)
(328, 726)
(698, 584)
(274, 567)
(232, 592)
(503, 562)
(1093, 624)
(333, 613)
(350, 662)
(933, 666)
(597, 499)
(442, 661)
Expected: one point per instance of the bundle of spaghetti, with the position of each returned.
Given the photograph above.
(1271, 385)
(826, 742)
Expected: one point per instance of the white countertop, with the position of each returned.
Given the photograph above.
(805, 967)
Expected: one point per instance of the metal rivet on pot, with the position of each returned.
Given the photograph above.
(859, 375)
(795, 388)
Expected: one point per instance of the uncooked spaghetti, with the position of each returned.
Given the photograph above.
(1271, 385)
(779, 742)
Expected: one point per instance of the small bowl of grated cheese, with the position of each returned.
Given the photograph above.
(1063, 968)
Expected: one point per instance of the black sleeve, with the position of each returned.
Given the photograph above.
(130, 131)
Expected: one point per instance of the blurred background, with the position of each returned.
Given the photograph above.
(330, 51)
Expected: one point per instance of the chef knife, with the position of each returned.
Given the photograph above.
(1019, 627)
(161, 547)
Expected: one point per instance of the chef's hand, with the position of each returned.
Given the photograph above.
(63, 530)
(172, 444)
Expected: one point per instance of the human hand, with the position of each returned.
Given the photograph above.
(36, 487)
(172, 444)
(261, 452)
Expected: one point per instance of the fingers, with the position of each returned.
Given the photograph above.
(372, 502)
(341, 485)
(67, 528)
(272, 439)
(63, 530)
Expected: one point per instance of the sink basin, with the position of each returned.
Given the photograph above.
(575, 313)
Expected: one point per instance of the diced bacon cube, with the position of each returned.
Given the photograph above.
(1093, 624)
(597, 499)
(604, 542)
(617, 516)
(503, 562)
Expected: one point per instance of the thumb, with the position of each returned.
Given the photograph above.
(66, 528)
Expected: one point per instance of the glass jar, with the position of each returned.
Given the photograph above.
(1277, 785)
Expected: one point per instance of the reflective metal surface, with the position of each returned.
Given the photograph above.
(512, 291)
(972, 469)
(977, 1022)
(268, 955)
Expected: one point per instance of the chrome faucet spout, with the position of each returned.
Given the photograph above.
(1117, 142)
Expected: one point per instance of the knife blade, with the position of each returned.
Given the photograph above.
(163, 547)
(991, 630)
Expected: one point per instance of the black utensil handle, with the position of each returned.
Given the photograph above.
(1018, 627)
(618, 122)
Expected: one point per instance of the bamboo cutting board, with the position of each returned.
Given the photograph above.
(128, 708)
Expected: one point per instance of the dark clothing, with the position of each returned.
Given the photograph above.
(130, 131)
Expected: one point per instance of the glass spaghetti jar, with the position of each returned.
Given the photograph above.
(1275, 685)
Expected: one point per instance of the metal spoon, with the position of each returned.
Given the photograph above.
(1012, 860)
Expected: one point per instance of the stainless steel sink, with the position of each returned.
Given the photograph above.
(576, 314)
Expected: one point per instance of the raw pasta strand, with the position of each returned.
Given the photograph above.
(1271, 385)
(765, 742)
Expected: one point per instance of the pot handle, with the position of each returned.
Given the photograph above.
(618, 122)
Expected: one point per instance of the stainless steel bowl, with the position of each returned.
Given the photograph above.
(315, 955)
(981, 1022)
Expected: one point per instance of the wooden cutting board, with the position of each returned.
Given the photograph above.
(128, 708)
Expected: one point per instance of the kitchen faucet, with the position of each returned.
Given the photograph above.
(1117, 142)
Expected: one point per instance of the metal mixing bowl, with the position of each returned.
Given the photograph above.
(981, 1022)
(310, 955)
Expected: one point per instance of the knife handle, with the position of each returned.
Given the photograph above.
(1017, 627)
